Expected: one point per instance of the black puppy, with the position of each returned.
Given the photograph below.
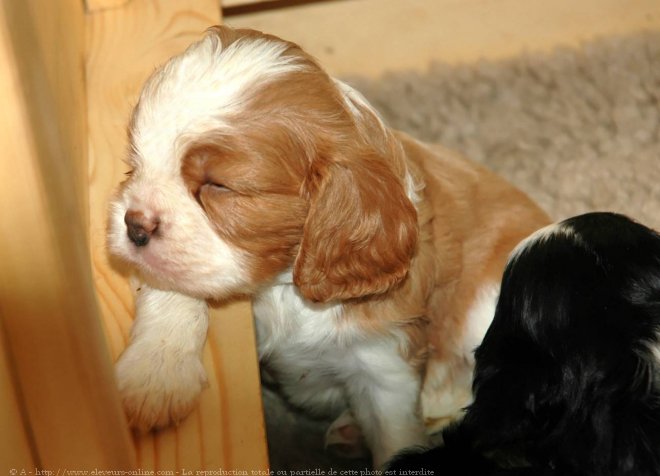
(567, 379)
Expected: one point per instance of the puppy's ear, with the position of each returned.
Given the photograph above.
(360, 233)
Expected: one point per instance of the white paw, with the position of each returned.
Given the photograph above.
(158, 386)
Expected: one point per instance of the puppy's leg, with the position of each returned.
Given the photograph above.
(447, 386)
(384, 399)
(447, 391)
(160, 373)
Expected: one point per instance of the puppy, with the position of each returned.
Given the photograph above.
(373, 261)
(567, 380)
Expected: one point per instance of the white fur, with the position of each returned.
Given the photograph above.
(655, 352)
(200, 91)
(188, 255)
(323, 362)
(479, 318)
(160, 374)
(541, 235)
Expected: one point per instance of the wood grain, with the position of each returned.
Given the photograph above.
(370, 37)
(62, 383)
(15, 444)
(235, 3)
(125, 45)
(93, 6)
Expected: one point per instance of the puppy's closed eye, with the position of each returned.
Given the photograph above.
(215, 187)
(211, 194)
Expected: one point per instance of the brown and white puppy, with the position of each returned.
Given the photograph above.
(373, 260)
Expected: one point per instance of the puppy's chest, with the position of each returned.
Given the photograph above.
(295, 333)
(318, 355)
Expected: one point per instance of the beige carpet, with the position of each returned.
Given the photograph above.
(577, 130)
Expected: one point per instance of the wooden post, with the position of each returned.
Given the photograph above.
(63, 406)
(69, 74)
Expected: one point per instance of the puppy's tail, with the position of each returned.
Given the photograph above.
(458, 456)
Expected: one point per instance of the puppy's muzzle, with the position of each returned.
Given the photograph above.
(139, 227)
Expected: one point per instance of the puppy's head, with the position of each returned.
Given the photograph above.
(248, 161)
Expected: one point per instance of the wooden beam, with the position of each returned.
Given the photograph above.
(57, 357)
(16, 442)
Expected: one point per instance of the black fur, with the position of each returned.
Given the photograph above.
(565, 380)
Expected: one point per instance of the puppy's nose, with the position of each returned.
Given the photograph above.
(139, 227)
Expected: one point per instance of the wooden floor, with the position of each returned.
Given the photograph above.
(369, 37)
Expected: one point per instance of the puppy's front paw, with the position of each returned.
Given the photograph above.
(158, 387)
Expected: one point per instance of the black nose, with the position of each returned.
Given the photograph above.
(139, 227)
